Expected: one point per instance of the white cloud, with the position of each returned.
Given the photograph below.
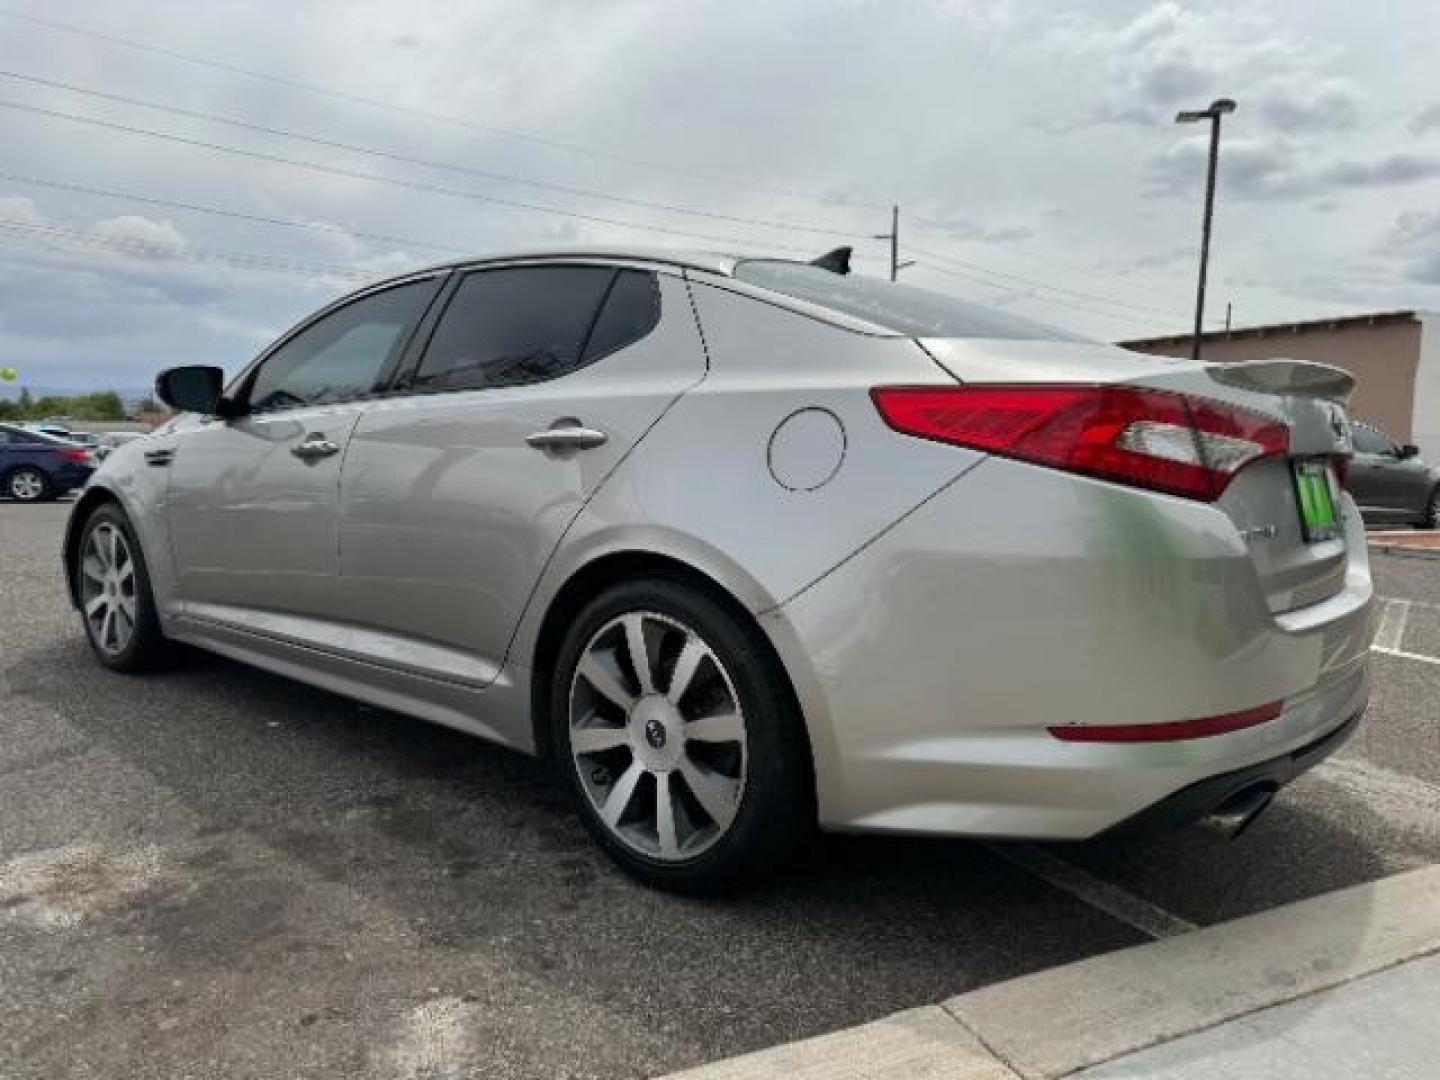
(931, 105)
(141, 232)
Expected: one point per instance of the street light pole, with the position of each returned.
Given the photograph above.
(1216, 110)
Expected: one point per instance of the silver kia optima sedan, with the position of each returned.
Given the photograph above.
(747, 546)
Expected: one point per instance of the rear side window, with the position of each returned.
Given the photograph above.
(901, 308)
(631, 311)
(530, 324)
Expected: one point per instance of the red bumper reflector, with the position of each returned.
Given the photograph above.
(1170, 730)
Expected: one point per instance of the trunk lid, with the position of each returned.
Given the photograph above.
(1263, 500)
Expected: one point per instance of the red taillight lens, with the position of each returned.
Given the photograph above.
(1170, 730)
(80, 457)
(1154, 439)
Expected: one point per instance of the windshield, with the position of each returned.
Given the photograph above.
(902, 308)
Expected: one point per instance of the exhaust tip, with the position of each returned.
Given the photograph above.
(1235, 814)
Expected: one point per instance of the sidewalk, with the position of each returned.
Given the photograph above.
(1415, 543)
(1342, 985)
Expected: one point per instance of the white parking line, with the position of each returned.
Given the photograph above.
(1398, 797)
(1148, 918)
(1406, 655)
(1391, 630)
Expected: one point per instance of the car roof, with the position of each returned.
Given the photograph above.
(29, 429)
(713, 262)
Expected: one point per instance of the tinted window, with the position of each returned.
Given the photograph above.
(5, 437)
(902, 308)
(1370, 441)
(521, 325)
(631, 311)
(341, 356)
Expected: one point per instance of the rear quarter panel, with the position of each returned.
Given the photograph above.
(699, 487)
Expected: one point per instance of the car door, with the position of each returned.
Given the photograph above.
(252, 499)
(535, 384)
(1378, 477)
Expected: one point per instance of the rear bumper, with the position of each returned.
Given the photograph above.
(932, 663)
(1190, 804)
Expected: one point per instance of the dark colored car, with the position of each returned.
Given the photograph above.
(35, 466)
(1390, 483)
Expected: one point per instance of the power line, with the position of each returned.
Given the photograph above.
(406, 110)
(1015, 249)
(1128, 319)
(341, 95)
(50, 236)
(390, 155)
(238, 215)
(414, 185)
(1031, 283)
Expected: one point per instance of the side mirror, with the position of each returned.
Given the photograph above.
(196, 388)
(1409, 450)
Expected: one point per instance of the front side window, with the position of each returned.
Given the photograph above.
(341, 356)
(528, 324)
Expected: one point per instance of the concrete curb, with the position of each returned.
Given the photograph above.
(1404, 551)
(1055, 1022)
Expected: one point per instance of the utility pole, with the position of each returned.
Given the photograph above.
(1228, 306)
(894, 237)
(1217, 109)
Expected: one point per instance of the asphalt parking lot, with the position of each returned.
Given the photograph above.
(215, 871)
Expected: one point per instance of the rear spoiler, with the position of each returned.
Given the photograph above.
(1300, 377)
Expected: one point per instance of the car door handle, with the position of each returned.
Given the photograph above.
(567, 437)
(313, 447)
(160, 457)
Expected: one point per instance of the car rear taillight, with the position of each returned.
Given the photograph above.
(1157, 439)
(1168, 730)
(80, 457)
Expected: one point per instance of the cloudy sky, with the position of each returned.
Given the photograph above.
(181, 180)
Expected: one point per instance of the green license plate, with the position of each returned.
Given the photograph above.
(1315, 492)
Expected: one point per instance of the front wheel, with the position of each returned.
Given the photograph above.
(112, 584)
(679, 737)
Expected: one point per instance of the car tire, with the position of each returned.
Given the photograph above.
(112, 587)
(727, 753)
(1432, 511)
(28, 484)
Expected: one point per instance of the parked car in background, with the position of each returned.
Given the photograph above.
(1390, 482)
(35, 466)
(746, 545)
(60, 431)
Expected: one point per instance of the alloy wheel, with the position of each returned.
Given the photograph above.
(657, 736)
(27, 485)
(107, 588)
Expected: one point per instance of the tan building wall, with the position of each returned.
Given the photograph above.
(1383, 358)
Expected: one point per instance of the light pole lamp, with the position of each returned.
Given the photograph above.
(1216, 110)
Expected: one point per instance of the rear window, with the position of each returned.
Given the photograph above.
(902, 308)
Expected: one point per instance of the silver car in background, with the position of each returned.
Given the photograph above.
(746, 545)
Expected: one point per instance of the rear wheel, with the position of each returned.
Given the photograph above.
(113, 587)
(679, 737)
(27, 484)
